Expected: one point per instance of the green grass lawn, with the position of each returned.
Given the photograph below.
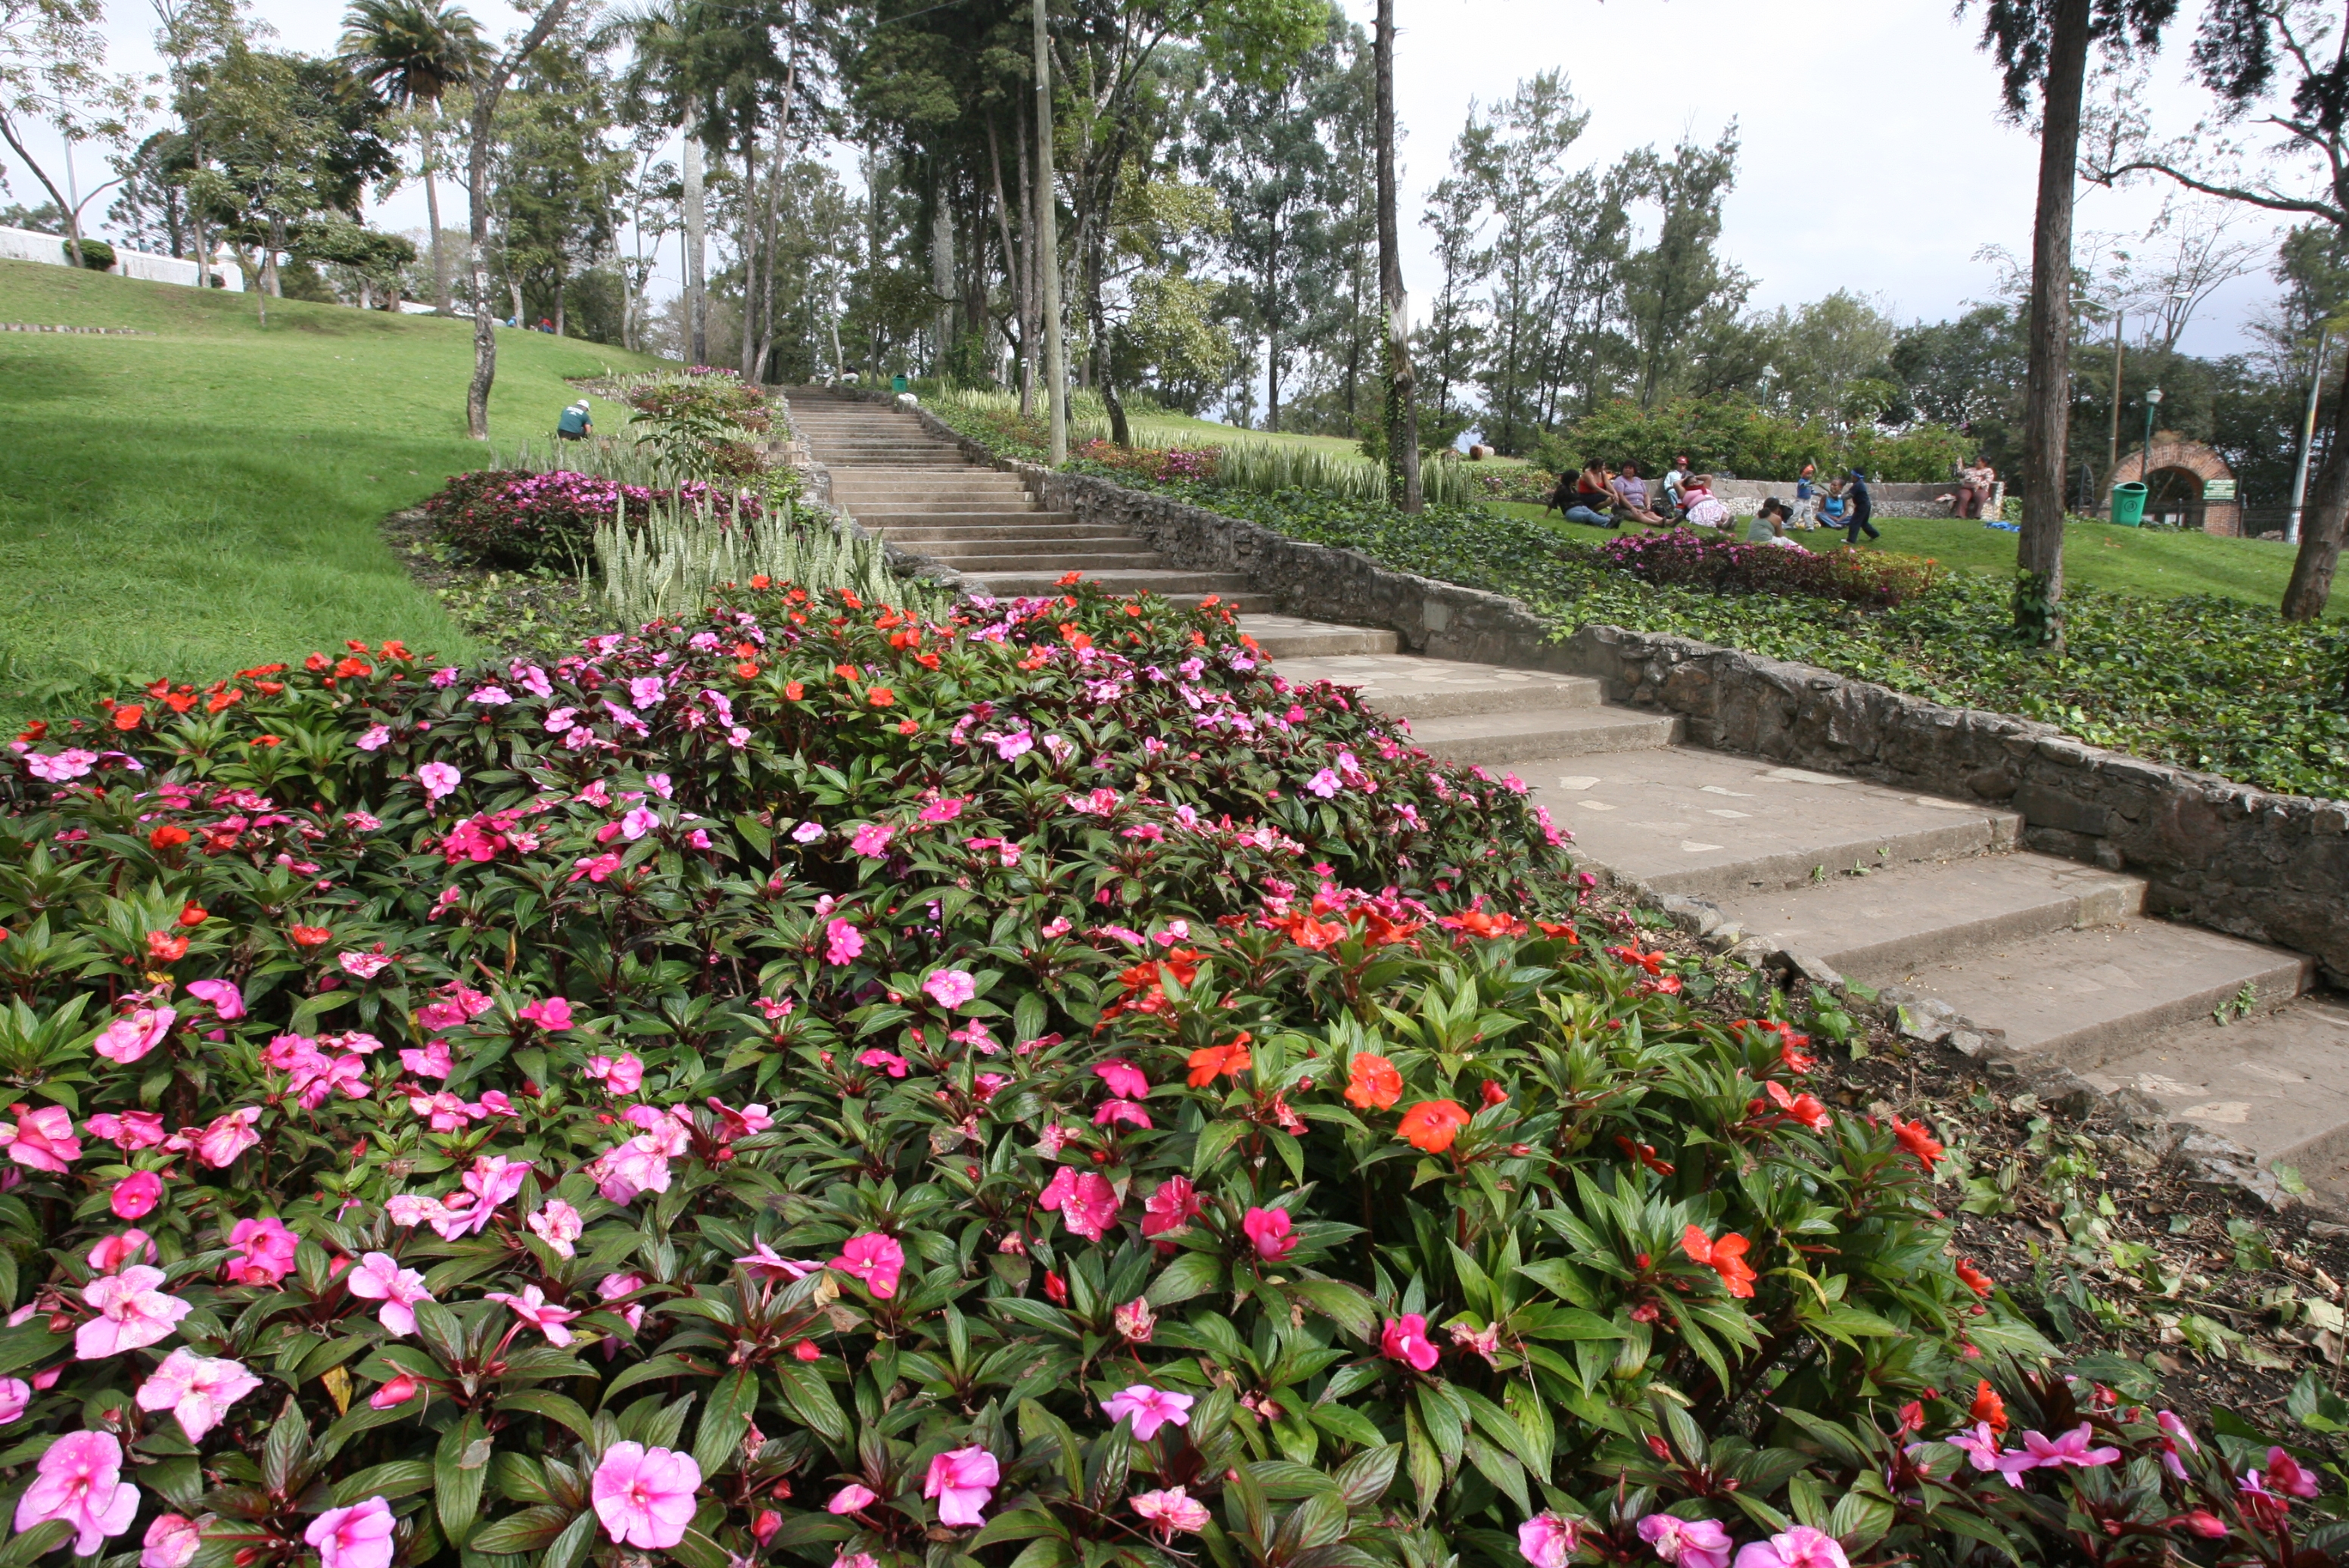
(208, 498)
(2157, 563)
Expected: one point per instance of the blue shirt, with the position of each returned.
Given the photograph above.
(574, 421)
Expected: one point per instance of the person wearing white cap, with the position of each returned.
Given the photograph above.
(578, 422)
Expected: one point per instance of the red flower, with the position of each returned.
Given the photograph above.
(1645, 1153)
(1725, 1257)
(169, 836)
(1803, 1108)
(1976, 1281)
(1216, 1061)
(881, 696)
(1372, 1082)
(749, 671)
(1495, 1094)
(1056, 1289)
(311, 935)
(127, 716)
(1918, 1139)
(794, 690)
(1483, 923)
(1989, 1406)
(1432, 1124)
(193, 914)
(166, 949)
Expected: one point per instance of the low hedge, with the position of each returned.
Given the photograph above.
(1683, 557)
(514, 518)
(1036, 1088)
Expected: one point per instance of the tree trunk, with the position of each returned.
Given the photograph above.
(1030, 333)
(696, 303)
(2322, 528)
(749, 329)
(1013, 273)
(487, 90)
(942, 273)
(1403, 482)
(1272, 325)
(2039, 553)
(559, 320)
(1048, 247)
(441, 302)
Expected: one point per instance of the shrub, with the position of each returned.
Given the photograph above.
(96, 254)
(516, 518)
(1683, 557)
(1513, 482)
(1733, 435)
(1155, 463)
(815, 1082)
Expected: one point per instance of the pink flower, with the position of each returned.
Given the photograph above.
(197, 1389)
(42, 1139)
(2174, 1432)
(944, 810)
(268, 1250)
(131, 1313)
(1121, 1110)
(1087, 1203)
(1547, 1541)
(552, 1014)
(1123, 1078)
(362, 965)
(875, 1259)
(851, 1497)
(375, 737)
(80, 1482)
(2071, 1448)
(889, 1062)
(612, 1287)
(1686, 1542)
(949, 988)
(1150, 1407)
(172, 1541)
(136, 1195)
(2286, 1476)
(842, 942)
(433, 1061)
(558, 1224)
(962, 1479)
(397, 1392)
(871, 840)
(1171, 1510)
(532, 1307)
(764, 1262)
(227, 1000)
(440, 781)
(645, 1496)
(1173, 1206)
(1133, 1321)
(640, 820)
(1799, 1547)
(623, 1074)
(130, 1131)
(228, 1135)
(358, 1536)
(1274, 1233)
(378, 1277)
(1405, 1339)
(15, 1395)
(133, 1245)
(127, 1039)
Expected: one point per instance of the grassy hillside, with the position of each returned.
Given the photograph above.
(2154, 563)
(208, 497)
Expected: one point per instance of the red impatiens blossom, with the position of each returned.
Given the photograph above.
(1918, 1139)
(1213, 1062)
(1432, 1124)
(1725, 1257)
(1988, 1407)
(1372, 1082)
(1975, 1280)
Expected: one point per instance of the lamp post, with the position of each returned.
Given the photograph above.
(2145, 463)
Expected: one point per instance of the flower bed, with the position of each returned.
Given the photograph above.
(1681, 557)
(703, 389)
(1163, 465)
(815, 1084)
(513, 518)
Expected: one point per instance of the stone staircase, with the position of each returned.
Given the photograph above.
(1885, 887)
(922, 494)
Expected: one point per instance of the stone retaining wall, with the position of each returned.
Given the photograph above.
(2271, 868)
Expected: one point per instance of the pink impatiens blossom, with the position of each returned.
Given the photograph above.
(1171, 1207)
(1170, 1510)
(612, 1288)
(889, 1062)
(15, 1397)
(227, 999)
(267, 1249)
(1272, 1232)
(433, 1061)
(1547, 1541)
(172, 1541)
(871, 841)
(132, 1312)
(130, 1131)
(136, 1195)
(553, 1014)
(851, 1497)
(532, 1307)
(440, 779)
(645, 1496)
(962, 1480)
(875, 1259)
(1799, 1547)
(80, 1481)
(949, 987)
(377, 1276)
(2285, 1476)
(1405, 1339)
(1150, 1407)
(42, 1139)
(1087, 1203)
(1113, 1112)
(358, 1536)
(228, 1135)
(197, 1389)
(1124, 1079)
(623, 1074)
(133, 1246)
(558, 1224)
(764, 1263)
(2071, 1448)
(842, 942)
(1687, 1542)
(128, 1038)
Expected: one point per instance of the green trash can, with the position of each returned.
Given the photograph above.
(2129, 505)
(899, 384)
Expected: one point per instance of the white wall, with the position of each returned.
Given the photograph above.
(27, 245)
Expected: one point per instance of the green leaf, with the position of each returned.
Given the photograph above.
(460, 1468)
(531, 1530)
(1190, 1275)
(725, 1419)
(29, 1546)
(560, 1408)
(401, 1478)
(811, 1398)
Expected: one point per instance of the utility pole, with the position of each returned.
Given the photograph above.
(697, 303)
(2307, 439)
(2113, 442)
(1048, 241)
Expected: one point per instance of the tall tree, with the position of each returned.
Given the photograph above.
(1516, 159)
(1402, 405)
(489, 82)
(414, 53)
(52, 60)
(1671, 285)
(2044, 44)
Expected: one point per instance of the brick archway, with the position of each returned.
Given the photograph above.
(2177, 464)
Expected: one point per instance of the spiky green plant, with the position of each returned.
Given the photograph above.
(665, 561)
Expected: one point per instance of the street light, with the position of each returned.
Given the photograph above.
(2145, 464)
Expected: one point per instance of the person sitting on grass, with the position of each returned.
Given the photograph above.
(577, 424)
(1587, 502)
(1632, 497)
(1701, 506)
(1768, 526)
(1832, 505)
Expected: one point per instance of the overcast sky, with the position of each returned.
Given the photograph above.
(1874, 156)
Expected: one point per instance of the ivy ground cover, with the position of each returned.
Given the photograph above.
(810, 1085)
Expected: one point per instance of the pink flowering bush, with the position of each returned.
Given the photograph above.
(811, 1084)
(514, 518)
(1685, 557)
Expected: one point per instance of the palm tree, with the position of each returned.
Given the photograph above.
(412, 52)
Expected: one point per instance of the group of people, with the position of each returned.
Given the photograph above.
(1604, 497)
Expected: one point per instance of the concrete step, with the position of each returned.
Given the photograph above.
(1168, 583)
(964, 541)
(1928, 911)
(1553, 732)
(1055, 558)
(1715, 826)
(962, 522)
(2272, 1082)
(2085, 998)
(908, 506)
(1418, 688)
(1291, 637)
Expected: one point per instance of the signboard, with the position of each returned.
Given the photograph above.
(2217, 490)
